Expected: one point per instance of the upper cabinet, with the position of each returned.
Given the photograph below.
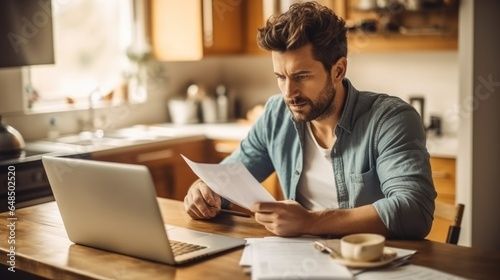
(193, 29)
(222, 26)
(190, 30)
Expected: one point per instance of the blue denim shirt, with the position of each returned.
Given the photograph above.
(379, 158)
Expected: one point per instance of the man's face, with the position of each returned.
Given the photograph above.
(307, 88)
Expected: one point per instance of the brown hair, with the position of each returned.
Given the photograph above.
(305, 23)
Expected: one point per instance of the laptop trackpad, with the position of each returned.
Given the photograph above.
(186, 235)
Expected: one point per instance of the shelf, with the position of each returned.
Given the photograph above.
(398, 42)
(423, 28)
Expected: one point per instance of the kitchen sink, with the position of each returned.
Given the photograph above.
(120, 137)
(94, 141)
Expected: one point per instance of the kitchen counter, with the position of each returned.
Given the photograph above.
(443, 147)
(226, 131)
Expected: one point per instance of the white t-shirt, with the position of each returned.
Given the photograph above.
(317, 189)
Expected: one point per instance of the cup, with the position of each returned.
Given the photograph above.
(182, 111)
(362, 247)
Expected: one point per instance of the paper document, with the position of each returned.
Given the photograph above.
(409, 271)
(283, 258)
(258, 249)
(247, 256)
(231, 181)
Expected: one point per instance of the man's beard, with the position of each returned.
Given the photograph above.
(319, 110)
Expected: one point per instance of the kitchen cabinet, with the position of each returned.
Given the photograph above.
(254, 19)
(171, 175)
(191, 30)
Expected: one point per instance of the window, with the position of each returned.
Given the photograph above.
(91, 39)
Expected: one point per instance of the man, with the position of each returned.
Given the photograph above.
(348, 161)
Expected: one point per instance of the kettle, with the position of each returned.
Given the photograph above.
(11, 142)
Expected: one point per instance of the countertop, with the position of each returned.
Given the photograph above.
(445, 147)
(214, 131)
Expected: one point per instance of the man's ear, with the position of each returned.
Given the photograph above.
(339, 69)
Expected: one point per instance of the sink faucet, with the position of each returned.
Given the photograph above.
(90, 124)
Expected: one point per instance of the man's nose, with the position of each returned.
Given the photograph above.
(290, 90)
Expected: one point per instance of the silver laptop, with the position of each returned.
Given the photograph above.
(113, 206)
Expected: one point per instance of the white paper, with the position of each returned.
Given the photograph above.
(231, 181)
(247, 255)
(248, 259)
(409, 271)
(292, 259)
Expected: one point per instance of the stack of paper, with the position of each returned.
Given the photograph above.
(289, 258)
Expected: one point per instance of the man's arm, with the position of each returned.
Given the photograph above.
(404, 172)
(289, 218)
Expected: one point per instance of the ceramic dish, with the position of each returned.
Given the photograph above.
(389, 256)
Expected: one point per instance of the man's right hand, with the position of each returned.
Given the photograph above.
(201, 202)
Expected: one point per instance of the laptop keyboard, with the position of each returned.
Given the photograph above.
(180, 248)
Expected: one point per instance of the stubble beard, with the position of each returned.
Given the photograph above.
(320, 109)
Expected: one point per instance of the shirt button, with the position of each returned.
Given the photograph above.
(297, 172)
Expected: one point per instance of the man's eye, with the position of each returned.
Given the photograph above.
(301, 77)
(280, 78)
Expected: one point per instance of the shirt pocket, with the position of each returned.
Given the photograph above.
(364, 188)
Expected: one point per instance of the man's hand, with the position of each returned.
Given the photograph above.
(283, 218)
(201, 202)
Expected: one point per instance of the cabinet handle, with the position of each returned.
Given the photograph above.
(440, 174)
(157, 155)
(208, 24)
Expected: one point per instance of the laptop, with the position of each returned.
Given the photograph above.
(113, 206)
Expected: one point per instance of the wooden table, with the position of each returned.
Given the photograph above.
(43, 248)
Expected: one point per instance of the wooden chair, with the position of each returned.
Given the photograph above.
(452, 214)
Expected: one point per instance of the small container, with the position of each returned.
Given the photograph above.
(53, 132)
(222, 103)
(209, 110)
(183, 111)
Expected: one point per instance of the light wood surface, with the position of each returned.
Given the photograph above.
(43, 248)
(443, 175)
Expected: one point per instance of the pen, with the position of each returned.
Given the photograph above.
(235, 213)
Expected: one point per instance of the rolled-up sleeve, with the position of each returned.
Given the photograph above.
(405, 176)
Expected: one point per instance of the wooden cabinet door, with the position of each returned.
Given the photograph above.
(254, 19)
(189, 30)
(222, 26)
(175, 30)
